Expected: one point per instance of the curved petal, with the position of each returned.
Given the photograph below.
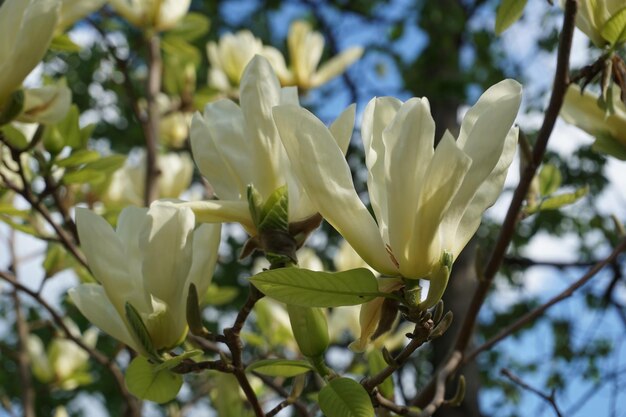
(219, 211)
(336, 65)
(484, 197)
(342, 128)
(377, 116)
(206, 241)
(325, 175)
(130, 224)
(443, 178)
(92, 301)
(409, 148)
(46, 105)
(483, 136)
(225, 181)
(166, 245)
(260, 91)
(107, 259)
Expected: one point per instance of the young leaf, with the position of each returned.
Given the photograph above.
(614, 29)
(80, 157)
(176, 360)
(194, 316)
(144, 381)
(280, 367)
(318, 289)
(193, 26)
(549, 179)
(508, 13)
(344, 397)
(140, 331)
(310, 329)
(275, 212)
(14, 137)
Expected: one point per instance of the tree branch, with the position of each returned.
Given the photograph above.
(548, 398)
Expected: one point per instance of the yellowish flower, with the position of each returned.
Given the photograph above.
(427, 201)
(230, 56)
(148, 262)
(582, 110)
(305, 52)
(75, 10)
(157, 15)
(237, 145)
(47, 105)
(599, 20)
(26, 29)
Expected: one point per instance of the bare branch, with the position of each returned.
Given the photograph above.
(548, 398)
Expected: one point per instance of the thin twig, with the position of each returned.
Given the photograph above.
(537, 312)
(132, 404)
(440, 385)
(233, 341)
(548, 398)
(561, 81)
(299, 405)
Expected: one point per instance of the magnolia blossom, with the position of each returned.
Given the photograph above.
(75, 10)
(62, 362)
(592, 18)
(235, 146)
(230, 56)
(148, 262)
(305, 52)
(128, 183)
(48, 104)
(582, 110)
(152, 14)
(428, 201)
(26, 29)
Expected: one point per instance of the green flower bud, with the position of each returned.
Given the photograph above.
(310, 330)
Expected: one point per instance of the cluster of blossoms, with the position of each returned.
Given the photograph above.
(427, 199)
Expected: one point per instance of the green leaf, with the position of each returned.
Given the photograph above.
(193, 26)
(318, 289)
(177, 360)
(84, 176)
(13, 107)
(180, 48)
(275, 211)
(77, 158)
(310, 329)
(280, 367)
(558, 201)
(64, 133)
(508, 13)
(218, 296)
(14, 137)
(107, 164)
(144, 381)
(10, 210)
(344, 397)
(376, 363)
(549, 179)
(254, 203)
(63, 43)
(55, 259)
(614, 29)
(140, 331)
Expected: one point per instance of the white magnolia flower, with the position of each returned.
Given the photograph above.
(75, 10)
(426, 200)
(149, 262)
(305, 52)
(230, 56)
(47, 105)
(582, 110)
(235, 146)
(62, 363)
(152, 14)
(128, 183)
(592, 18)
(26, 29)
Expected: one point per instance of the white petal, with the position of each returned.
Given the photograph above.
(46, 105)
(225, 181)
(260, 91)
(377, 116)
(171, 12)
(107, 259)
(220, 211)
(166, 245)
(409, 141)
(342, 128)
(484, 197)
(206, 241)
(445, 174)
(92, 301)
(321, 168)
